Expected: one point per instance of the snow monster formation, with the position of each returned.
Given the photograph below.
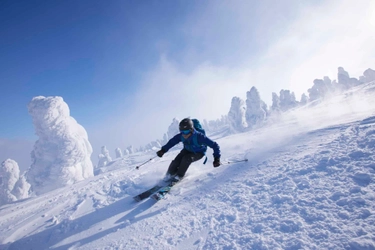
(256, 109)
(236, 115)
(61, 155)
(13, 186)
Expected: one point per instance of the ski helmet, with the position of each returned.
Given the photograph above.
(186, 124)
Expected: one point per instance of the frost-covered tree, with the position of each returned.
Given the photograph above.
(314, 93)
(61, 155)
(148, 147)
(156, 144)
(223, 121)
(212, 124)
(21, 189)
(165, 139)
(236, 115)
(118, 153)
(264, 107)
(344, 80)
(320, 89)
(335, 86)
(141, 149)
(206, 125)
(369, 75)
(328, 83)
(13, 187)
(217, 124)
(173, 128)
(275, 102)
(255, 112)
(343, 77)
(130, 149)
(102, 161)
(126, 152)
(304, 99)
(104, 157)
(287, 100)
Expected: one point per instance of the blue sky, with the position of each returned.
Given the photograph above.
(127, 68)
(92, 53)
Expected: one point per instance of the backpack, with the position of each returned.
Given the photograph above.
(198, 127)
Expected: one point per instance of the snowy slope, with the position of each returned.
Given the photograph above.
(308, 184)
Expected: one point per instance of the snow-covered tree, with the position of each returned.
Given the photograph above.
(156, 144)
(126, 152)
(317, 91)
(102, 161)
(130, 149)
(173, 128)
(21, 189)
(13, 187)
(118, 153)
(213, 124)
(105, 152)
(344, 80)
(287, 100)
(369, 75)
(61, 155)
(343, 76)
(320, 89)
(328, 84)
(165, 139)
(217, 124)
(236, 115)
(141, 149)
(206, 126)
(255, 112)
(104, 157)
(148, 147)
(313, 93)
(275, 102)
(304, 99)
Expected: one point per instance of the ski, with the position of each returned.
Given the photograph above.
(162, 192)
(147, 193)
(161, 189)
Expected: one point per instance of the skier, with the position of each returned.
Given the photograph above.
(195, 147)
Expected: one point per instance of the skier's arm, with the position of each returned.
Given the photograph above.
(212, 144)
(171, 143)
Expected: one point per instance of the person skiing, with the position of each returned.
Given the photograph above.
(195, 147)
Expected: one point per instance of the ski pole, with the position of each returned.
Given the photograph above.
(137, 167)
(232, 162)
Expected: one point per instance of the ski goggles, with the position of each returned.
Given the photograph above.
(185, 132)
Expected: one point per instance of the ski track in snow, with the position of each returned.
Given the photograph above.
(302, 188)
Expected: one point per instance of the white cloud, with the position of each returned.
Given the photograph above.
(337, 33)
(309, 45)
(229, 49)
(203, 92)
(166, 93)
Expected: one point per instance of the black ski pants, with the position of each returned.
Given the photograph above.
(181, 163)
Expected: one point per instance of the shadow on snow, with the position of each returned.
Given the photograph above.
(51, 236)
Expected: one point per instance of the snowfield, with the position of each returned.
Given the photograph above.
(308, 184)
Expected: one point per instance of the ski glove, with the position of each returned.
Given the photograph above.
(160, 153)
(217, 162)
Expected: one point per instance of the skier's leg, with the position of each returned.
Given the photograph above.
(187, 159)
(173, 167)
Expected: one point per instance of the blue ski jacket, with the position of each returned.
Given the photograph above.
(196, 143)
